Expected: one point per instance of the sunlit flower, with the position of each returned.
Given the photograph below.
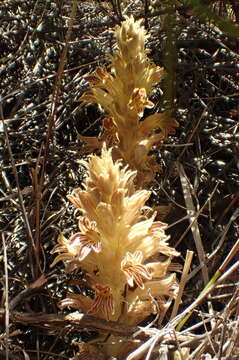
(76, 301)
(135, 272)
(103, 301)
(158, 270)
(80, 244)
(87, 240)
(139, 101)
(65, 247)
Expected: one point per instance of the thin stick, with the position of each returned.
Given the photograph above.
(15, 173)
(194, 224)
(183, 282)
(6, 296)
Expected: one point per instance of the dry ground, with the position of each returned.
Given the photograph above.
(199, 181)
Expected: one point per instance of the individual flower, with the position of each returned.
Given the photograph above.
(135, 272)
(139, 101)
(80, 244)
(103, 301)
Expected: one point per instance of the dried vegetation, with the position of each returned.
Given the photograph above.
(49, 51)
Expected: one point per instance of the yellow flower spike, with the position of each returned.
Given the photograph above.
(115, 241)
(130, 37)
(123, 91)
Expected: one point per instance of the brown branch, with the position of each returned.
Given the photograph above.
(225, 68)
(31, 290)
(74, 319)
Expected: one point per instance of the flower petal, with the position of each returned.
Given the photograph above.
(134, 271)
(103, 302)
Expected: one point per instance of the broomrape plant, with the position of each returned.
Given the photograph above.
(114, 245)
(124, 92)
(119, 240)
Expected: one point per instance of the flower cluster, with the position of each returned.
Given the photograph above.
(114, 245)
(124, 92)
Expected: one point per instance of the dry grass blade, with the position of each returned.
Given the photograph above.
(224, 233)
(226, 346)
(184, 280)
(229, 257)
(191, 211)
(184, 316)
(20, 194)
(224, 324)
(6, 293)
(155, 336)
(233, 340)
(213, 282)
